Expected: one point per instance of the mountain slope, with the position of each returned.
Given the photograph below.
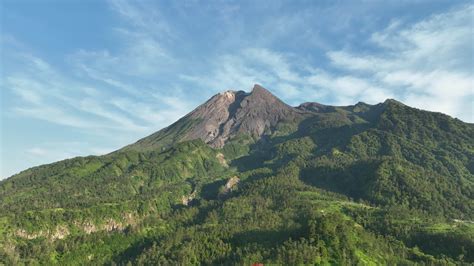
(245, 178)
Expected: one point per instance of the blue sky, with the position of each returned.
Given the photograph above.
(88, 77)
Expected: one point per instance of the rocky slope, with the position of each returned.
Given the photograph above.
(225, 116)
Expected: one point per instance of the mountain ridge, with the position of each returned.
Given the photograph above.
(177, 127)
(359, 184)
(229, 113)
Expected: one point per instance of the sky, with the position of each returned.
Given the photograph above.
(84, 77)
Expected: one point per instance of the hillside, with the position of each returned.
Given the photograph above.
(246, 178)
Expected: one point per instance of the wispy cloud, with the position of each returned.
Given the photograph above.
(140, 52)
(37, 151)
(294, 80)
(428, 64)
(141, 15)
(58, 150)
(68, 102)
(47, 95)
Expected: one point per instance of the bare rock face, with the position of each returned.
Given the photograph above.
(224, 116)
(231, 183)
(59, 232)
(229, 186)
(220, 157)
(232, 112)
(88, 227)
(112, 225)
(215, 114)
(24, 234)
(187, 199)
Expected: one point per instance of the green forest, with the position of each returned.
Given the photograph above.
(382, 184)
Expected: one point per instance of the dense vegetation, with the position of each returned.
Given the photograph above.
(367, 185)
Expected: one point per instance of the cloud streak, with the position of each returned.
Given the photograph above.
(428, 64)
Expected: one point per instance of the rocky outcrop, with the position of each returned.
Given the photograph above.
(186, 200)
(112, 225)
(60, 232)
(88, 227)
(220, 157)
(229, 186)
(24, 234)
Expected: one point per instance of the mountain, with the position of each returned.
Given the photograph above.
(224, 116)
(245, 178)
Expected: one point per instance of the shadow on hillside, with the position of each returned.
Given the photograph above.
(353, 181)
(268, 238)
(210, 191)
(134, 250)
(326, 132)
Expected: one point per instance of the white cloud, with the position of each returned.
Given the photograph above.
(57, 116)
(273, 62)
(427, 65)
(26, 89)
(37, 151)
(60, 150)
(347, 89)
(166, 110)
(289, 78)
